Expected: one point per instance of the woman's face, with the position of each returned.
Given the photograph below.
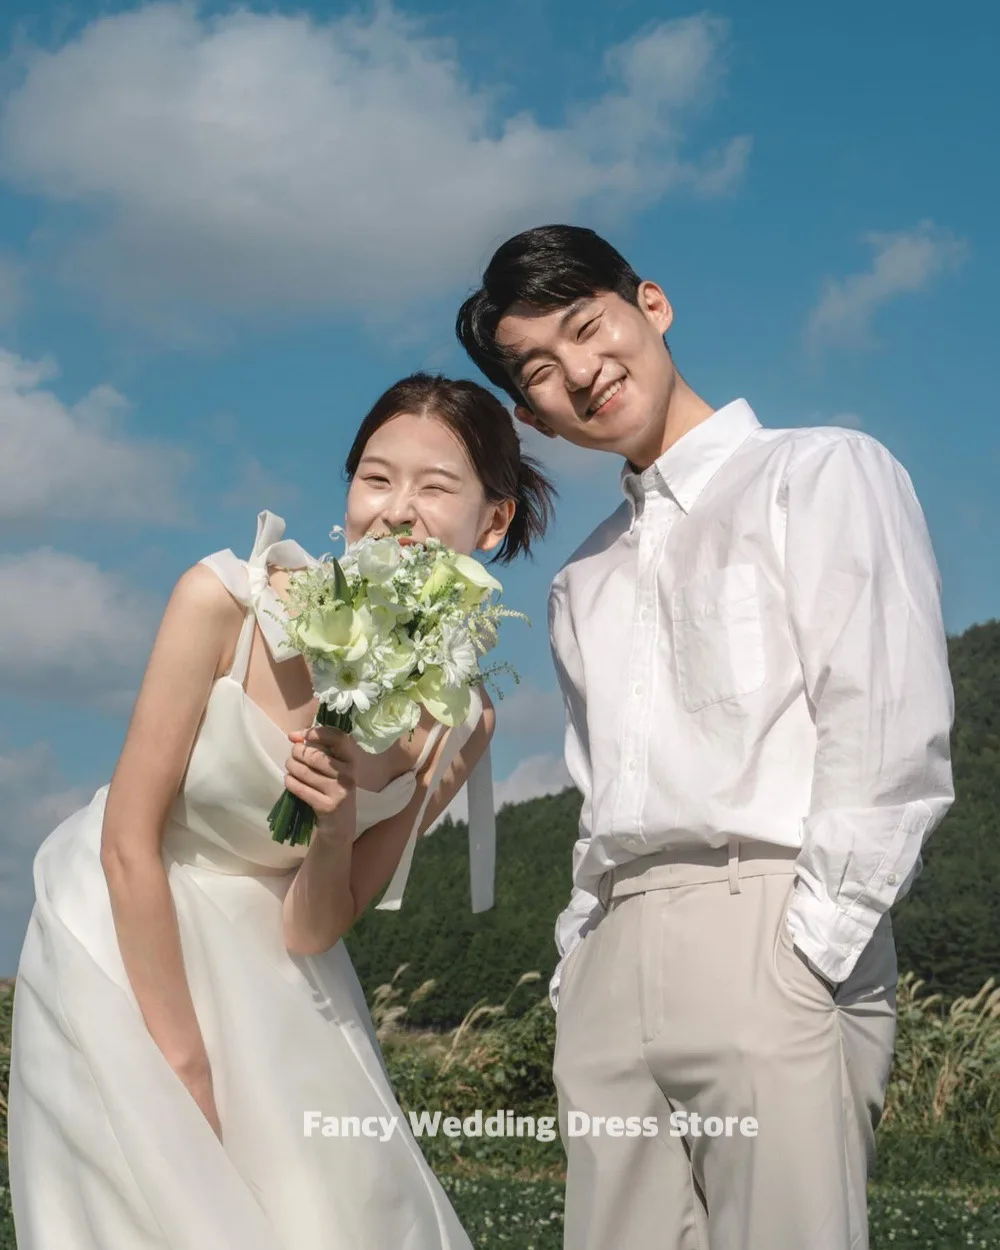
(415, 472)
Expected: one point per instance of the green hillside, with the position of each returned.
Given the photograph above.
(947, 929)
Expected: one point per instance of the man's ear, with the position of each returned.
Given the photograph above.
(527, 417)
(656, 306)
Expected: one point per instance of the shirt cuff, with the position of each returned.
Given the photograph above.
(583, 912)
(831, 940)
(554, 987)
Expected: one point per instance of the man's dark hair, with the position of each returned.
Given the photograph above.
(547, 268)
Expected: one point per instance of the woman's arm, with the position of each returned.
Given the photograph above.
(198, 625)
(339, 877)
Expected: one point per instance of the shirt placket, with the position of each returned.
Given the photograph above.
(653, 526)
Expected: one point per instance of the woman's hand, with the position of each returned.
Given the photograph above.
(320, 770)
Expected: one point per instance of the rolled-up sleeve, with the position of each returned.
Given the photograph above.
(863, 593)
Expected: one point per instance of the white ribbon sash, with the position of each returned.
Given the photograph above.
(482, 821)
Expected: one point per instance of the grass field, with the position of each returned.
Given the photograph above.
(500, 1211)
(939, 1144)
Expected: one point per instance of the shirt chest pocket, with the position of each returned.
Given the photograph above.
(718, 636)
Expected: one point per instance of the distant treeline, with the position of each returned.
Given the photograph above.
(947, 929)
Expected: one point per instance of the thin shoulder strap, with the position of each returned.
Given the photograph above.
(432, 737)
(234, 575)
(241, 656)
(482, 828)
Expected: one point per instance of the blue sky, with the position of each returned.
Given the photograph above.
(223, 234)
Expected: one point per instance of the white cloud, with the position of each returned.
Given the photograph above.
(534, 776)
(34, 799)
(70, 632)
(905, 262)
(74, 461)
(528, 710)
(252, 163)
(255, 482)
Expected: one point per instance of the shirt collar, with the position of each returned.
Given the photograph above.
(687, 466)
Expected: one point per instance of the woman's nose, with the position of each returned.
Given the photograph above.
(399, 510)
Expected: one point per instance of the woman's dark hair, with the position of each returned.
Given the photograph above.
(546, 268)
(486, 430)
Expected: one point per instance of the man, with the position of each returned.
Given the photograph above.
(755, 676)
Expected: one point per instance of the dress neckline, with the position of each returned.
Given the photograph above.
(409, 775)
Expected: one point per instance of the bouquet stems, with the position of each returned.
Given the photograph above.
(291, 819)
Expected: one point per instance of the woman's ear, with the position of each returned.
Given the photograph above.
(497, 525)
(527, 417)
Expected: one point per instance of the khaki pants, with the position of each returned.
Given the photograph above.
(688, 997)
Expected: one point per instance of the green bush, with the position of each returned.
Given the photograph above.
(942, 1113)
(941, 1119)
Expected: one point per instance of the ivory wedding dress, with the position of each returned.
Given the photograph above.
(107, 1149)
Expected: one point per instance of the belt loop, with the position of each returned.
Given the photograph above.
(734, 865)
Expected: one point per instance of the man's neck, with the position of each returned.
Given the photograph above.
(685, 410)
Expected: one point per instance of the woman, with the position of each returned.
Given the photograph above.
(183, 999)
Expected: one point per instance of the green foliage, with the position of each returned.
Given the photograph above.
(942, 1112)
(947, 929)
(6, 1019)
(941, 1117)
(938, 1144)
(472, 957)
(526, 1214)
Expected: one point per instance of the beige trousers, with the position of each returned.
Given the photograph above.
(688, 999)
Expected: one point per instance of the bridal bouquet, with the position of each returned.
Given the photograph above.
(391, 628)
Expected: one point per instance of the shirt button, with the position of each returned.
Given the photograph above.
(637, 689)
(632, 766)
(644, 614)
(891, 878)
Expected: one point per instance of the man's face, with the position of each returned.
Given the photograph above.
(596, 372)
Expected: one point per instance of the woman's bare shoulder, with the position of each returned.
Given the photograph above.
(201, 592)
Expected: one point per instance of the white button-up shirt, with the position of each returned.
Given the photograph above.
(752, 645)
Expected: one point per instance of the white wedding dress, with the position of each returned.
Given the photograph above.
(107, 1149)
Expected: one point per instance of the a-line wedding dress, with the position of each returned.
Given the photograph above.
(107, 1148)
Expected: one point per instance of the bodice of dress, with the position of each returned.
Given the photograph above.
(236, 770)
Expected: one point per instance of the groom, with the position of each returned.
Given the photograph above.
(755, 675)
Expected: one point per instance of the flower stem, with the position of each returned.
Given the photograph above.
(291, 819)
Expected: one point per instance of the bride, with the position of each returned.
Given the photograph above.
(184, 1006)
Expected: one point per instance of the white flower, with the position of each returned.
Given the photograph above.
(460, 578)
(456, 654)
(378, 559)
(337, 630)
(387, 608)
(387, 720)
(446, 703)
(394, 659)
(344, 685)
